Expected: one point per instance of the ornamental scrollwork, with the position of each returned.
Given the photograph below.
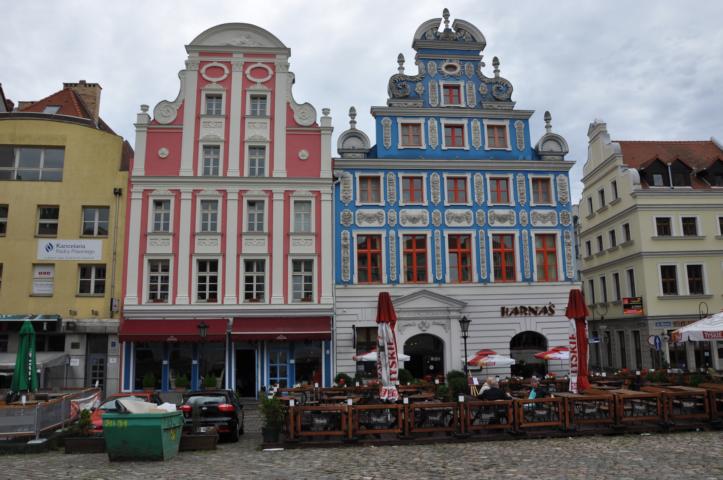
(398, 86)
(524, 219)
(437, 254)
(469, 69)
(431, 68)
(346, 217)
(433, 93)
(345, 256)
(480, 217)
(387, 132)
(482, 255)
(501, 217)
(479, 193)
(526, 252)
(539, 218)
(520, 134)
(521, 189)
(433, 136)
(565, 218)
(436, 218)
(435, 183)
(471, 94)
(393, 256)
(417, 218)
(392, 218)
(567, 237)
(476, 134)
(346, 188)
(563, 189)
(370, 218)
(456, 218)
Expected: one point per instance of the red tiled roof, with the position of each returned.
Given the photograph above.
(697, 155)
(69, 102)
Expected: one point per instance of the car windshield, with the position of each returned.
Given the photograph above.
(206, 400)
(112, 405)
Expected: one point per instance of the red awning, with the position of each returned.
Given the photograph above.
(172, 330)
(282, 328)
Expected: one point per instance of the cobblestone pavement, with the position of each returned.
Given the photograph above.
(696, 455)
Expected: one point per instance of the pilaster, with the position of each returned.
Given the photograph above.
(278, 256)
(184, 248)
(189, 117)
(326, 239)
(134, 239)
(281, 93)
(231, 250)
(237, 94)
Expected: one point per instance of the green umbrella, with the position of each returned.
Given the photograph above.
(25, 377)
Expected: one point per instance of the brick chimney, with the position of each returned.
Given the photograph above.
(90, 93)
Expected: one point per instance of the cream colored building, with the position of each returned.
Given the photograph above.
(63, 179)
(651, 216)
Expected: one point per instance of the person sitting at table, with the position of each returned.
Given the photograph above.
(485, 386)
(537, 390)
(494, 392)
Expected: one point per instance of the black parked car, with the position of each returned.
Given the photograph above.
(217, 408)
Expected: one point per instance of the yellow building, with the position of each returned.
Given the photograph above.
(63, 179)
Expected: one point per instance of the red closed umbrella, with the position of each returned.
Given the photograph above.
(387, 359)
(577, 312)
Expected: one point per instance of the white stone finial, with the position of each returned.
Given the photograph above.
(548, 119)
(400, 61)
(326, 111)
(496, 65)
(352, 117)
(445, 15)
(144, 108)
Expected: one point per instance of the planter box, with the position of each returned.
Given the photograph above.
(199, 441)
(93, 444)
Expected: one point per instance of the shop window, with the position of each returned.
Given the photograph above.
(454, 136)
(542, 191)
(690, 226)
(503, 257)
(369, 258)
(43, 280)
(257, 105)
(457, 190)
(366, 341)
(302, 280)
(254, 280)
(179, 362)
(257, 161)
(214, 104)
(207, 281)
(413, 189)
(302, 216)
(255, 215)
(209, 216)
(369, 189)
(411, 134)
(49, 342)
(500, 191)
(496, 136)
(211, 363)
(31, 163)
(307, 363)
(95, 221)
(546, 257)
(158, 281)
(148, 359)
(415, 258)
(459, 258)
(669, 279)
(3, 220)
(91, 279)
(696, 285)
(279, 367)
(48, 216)
(663, 227)
(211, 160)
(161, 215)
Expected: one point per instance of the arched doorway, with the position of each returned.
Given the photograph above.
(427, 355)
(523, 348)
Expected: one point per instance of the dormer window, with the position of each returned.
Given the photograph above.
(452, 94)
(681, 179)
(658, 180)
(51, 109)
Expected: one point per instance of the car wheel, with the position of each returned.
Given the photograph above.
(233, 436)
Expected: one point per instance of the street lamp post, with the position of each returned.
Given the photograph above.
(202, 331)
(464, 325)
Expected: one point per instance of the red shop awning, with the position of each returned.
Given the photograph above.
(172, 330)
(282, 328)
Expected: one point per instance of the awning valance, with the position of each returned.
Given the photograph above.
(282, 328)
(165, 330)
(21, 317)
(42, 360)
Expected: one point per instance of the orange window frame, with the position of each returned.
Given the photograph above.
(371, 185)
(457, 189)
(497, 136)
(499, 248)
(411, 135)
(500, 190)
(373, 249)
(463, 255)
(454, 135)
(452, 94)
(419, 246)
(542, 190)
(546, 244)
(414, 186)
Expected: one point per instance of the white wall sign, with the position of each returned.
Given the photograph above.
(74, 362)
(70, 249)
(43, 278)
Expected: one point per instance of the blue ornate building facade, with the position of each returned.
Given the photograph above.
(453, 211)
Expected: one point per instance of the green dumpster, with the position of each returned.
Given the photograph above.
(142, 436)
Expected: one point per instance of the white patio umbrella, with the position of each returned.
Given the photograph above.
(374, 355)
(705, 330)
(495, 360)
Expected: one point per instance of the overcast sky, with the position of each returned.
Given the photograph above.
(650, 69)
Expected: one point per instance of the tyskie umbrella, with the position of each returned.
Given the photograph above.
(373, 356)
(387, 359)
(25, 376)
(577, 312)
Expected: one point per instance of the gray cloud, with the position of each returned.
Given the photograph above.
(651, 69)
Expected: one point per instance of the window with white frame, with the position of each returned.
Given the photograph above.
(91, 279)
(669, 279)
(254, 280)
(413, 189)
(604, 288)
(302, 280)
(211, 160)
(542, 191)
(663, 226)
(257, 160)
(496, 135)
(207, 280)
(696, 285)
(616, 286)
(503, 257)
(410, 134)
(613, 238)
(95, 221)
(631, 282)
(302, 216)
(614, 189)
(499, 188)
(214, 104)
(601, 197)
(689, 226)
(48, 216)
(258, 105)
(457, 190)
(255, 215)
(369, 258)
(31, 163)
(591, 291)
(626, 232)
(588, 248)
(3, 219)
(158, 280)
(161, 215)
(454, 135)
(43, 279)
(451, 94)
(414, 254)
(209, 216)
(459, 258)
(369, 189)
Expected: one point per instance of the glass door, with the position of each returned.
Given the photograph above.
(279, 367)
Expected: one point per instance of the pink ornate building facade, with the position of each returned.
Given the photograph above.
(229, 253)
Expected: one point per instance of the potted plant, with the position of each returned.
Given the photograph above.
(149, 381)
(273, 416)
(182, 382)
(81, 438)
(342, 379)
(210, 381)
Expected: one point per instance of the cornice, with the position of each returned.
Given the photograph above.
(681, 255)
(444, 164)
(228, 183)
(193, 311)
(452, 112)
